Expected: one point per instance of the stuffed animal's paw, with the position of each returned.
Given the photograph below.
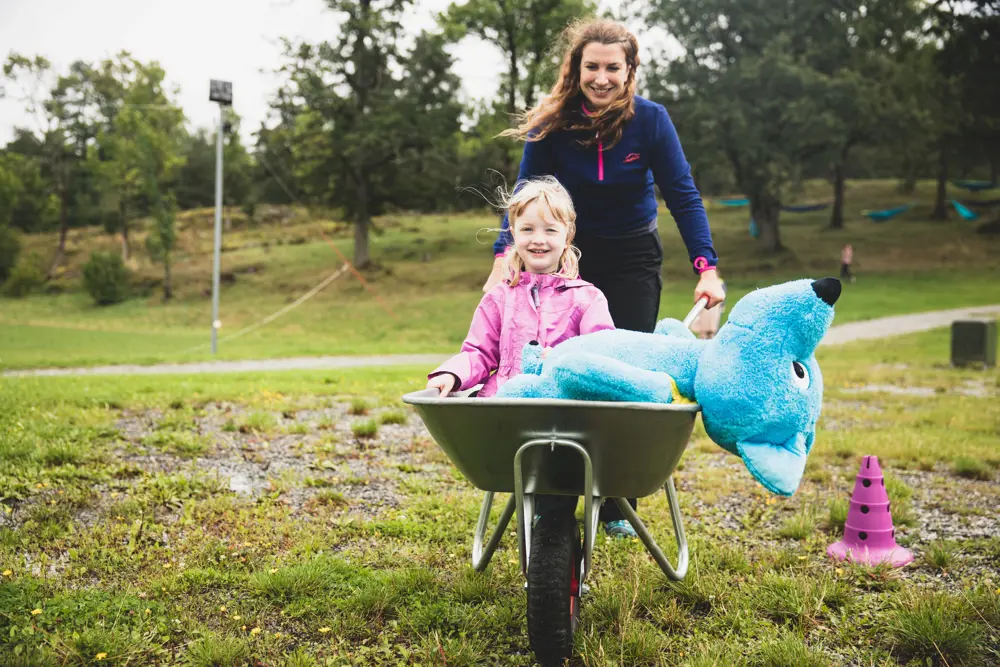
(594, 377)
(529, 386)
(671, 327)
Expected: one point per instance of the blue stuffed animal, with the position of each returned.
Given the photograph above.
(758, 383)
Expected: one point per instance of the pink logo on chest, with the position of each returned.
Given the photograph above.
(631, 157)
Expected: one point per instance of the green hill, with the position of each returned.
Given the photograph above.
(428, 273)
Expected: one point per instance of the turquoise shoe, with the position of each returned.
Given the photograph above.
(620, 529)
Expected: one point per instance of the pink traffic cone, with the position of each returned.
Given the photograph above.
(869, 536)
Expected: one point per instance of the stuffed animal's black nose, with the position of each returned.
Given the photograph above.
(827, 289)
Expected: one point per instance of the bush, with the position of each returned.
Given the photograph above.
(26, 277)
(106, 278)
(10, 247)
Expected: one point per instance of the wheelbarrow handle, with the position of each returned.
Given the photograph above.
(696, 311)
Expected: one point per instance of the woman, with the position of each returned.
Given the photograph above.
(608, 146)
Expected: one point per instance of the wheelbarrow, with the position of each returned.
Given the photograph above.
(594, 449)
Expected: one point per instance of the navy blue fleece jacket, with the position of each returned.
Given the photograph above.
(612, 188)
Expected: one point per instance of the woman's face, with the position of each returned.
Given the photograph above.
(602, 73)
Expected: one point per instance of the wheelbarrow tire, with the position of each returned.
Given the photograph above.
(553, 587)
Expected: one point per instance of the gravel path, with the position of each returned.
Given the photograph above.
(882, 327)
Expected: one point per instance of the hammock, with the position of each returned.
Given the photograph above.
(754, 229)
(964, 211)
(974, 186)
(986, 203)
(805, 208)
(886, 214)
(801, 208)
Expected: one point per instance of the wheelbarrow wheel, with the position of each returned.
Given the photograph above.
(554, 588)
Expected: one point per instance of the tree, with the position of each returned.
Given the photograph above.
(980, 86)
(195, 187)
(965, 103)
(33, 206)
(362, 107)
(527, 34)
(163, 237)
(272, 174)
(60, 149)
(747, 76)
(867, 54)
(139, 138)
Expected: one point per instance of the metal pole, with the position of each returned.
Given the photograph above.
(218, 232)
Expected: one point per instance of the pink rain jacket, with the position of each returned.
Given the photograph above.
(542, 307)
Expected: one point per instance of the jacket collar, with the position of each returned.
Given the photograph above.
(528, 280)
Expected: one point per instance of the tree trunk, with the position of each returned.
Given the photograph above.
(168, 290)
(512, 71)
(123, 220)
(993, 170)
(361, 255)
(940, 208)
(361, 224)
(63, 231)
(766, 209)
(837, 217)
(508, 163)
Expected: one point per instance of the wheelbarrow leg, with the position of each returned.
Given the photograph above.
(591, 512)
(481, 559)
(647, 539)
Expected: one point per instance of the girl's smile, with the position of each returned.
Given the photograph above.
(538, 239)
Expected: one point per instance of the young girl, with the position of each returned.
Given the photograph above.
(540, 299)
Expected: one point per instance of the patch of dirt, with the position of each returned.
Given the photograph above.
(944, 507)
(308, 452)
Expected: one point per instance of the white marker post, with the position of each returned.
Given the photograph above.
(221, 92)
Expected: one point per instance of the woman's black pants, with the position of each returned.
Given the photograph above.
(629, 273)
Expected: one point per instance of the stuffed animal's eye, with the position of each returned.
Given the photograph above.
(800, 376)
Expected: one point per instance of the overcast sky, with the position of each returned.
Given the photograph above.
(198, 40)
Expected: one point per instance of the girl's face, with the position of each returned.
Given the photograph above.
(539, 239)
(602, 73)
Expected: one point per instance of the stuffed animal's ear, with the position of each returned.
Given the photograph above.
(672, 327)
(776, 465)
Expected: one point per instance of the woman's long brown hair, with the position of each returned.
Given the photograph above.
(561, 109)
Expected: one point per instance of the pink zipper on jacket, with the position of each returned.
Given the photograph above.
(600, 148)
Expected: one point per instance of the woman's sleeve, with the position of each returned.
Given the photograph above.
(597, 317)
(535, 161)
(480, 353)
(672, 175)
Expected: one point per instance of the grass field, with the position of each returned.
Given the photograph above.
(429, 272)
(307, 519)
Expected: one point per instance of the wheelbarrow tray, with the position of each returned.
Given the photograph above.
(634, 447)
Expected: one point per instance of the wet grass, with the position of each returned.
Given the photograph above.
(118, 539)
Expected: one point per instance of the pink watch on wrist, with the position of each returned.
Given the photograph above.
(701, 265)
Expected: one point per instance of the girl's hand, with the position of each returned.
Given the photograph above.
(709, 285)
(496, 275)
(444, 383)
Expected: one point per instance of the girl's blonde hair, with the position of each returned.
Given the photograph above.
(560, 110)
(549, 192)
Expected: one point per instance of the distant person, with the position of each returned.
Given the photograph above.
(706, 325)
(609, 146)
(846, 259)
(540, 299)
